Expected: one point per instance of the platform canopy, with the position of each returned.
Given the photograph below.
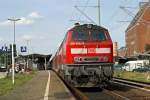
(38, 58)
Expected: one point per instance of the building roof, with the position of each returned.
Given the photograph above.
(138, 15)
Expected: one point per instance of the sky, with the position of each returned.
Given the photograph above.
(44, 23)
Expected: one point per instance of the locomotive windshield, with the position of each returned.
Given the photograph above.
(97, 35)
(89, 35)
(80, 36)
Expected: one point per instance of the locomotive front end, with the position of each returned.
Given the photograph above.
(89, 56)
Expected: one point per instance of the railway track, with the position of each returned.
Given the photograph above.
(92, 93)
(115, 92)
(135, 84)
(101, 94)
(118, 90)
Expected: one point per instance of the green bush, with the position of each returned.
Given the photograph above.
(6, 83)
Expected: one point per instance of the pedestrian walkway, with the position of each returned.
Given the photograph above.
(58, 91)
(38, 87)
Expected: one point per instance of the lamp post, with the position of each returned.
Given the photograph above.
(14, 21)
(13, 60)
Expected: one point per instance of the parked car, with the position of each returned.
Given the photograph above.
(131, 65)
(3, 68)
(145, 68)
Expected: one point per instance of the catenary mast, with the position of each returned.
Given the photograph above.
(99, 16)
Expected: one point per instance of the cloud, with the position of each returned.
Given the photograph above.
(27, 20)
(23, 21)
(1, 39)
(41, 37)
(35, 15)
(5, 23)
(27, 37)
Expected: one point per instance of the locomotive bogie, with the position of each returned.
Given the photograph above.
(87, 74)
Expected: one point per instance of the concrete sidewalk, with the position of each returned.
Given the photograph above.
(35, 89)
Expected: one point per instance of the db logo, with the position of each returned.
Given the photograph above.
(91, 50)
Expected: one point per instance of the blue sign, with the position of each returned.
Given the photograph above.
(4, 48)
(23, 49)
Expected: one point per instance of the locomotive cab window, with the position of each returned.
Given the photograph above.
(80, 36)
(89, 35)
(98, 35)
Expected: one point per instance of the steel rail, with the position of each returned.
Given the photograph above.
(116, 95)
(145, 85)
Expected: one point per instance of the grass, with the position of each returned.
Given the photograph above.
(137, 76)
(6, 83)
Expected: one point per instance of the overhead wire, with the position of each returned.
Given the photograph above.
(84, 8)
(112, 17)
(72, 14)
(82, 11)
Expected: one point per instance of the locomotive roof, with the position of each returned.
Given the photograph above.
(85, 26)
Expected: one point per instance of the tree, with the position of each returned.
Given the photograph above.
(147, 47)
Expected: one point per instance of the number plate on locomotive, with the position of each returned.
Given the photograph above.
(91, 50)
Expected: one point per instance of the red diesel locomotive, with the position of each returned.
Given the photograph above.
(85, 57)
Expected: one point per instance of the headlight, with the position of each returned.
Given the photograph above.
(106, 59)
(78, 59)
(103, 59)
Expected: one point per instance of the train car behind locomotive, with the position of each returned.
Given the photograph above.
(85, 57)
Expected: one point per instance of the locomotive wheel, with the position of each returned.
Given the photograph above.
(107, 71)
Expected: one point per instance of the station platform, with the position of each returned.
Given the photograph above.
(58, 90)
(45, 85)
